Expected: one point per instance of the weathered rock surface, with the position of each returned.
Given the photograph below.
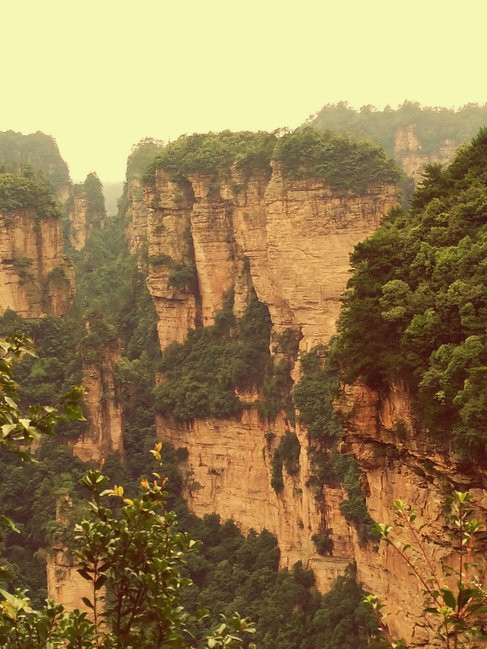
(291, 239)
(408, 151)
(64, 583)
(103, 410)
(290, 242)
(229, 472)
(35, 278)
(400, 462)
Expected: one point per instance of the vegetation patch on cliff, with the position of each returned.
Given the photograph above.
(215, 153)
(200, 376)
(27, 190)
(339, 161)
(416, 307)
(343, 163)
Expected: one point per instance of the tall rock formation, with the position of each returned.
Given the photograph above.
(103, 436)
(288, 240)
(39, 152)
(87, 211)
(35, 278)
(408, 151)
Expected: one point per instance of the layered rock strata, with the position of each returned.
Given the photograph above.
(399, 461)
(103, 410)
(35, 278)
(289, 239)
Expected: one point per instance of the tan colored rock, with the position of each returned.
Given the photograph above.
(103, 410)
(408, 152)
(400, 462)
(137, 215)
(64, 583)
(35, 278)
(288, 240)
(81, 220)
(229, 472)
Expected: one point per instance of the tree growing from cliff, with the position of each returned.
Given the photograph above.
(455, 597)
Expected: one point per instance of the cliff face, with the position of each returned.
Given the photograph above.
(290, 240)
(408, 151)
(64, 584)
(402, 465)
(103, 410)
(87, 210)
(35, 278)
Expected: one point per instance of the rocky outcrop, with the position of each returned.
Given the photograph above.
(103, 410)
(408, 151)
(35, 278)
(399, 461)
(228, 471)
(290, 239)
(87, 211)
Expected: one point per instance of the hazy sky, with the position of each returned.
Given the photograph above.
(99, 75)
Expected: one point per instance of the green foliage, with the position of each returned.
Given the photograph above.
(418, 290)
(27, 190)
(277, 482)
(20, 428)
(232, 572)
(336, 469)
(313, 397)
(343, 163)
(183, 277)
(214, 153)
(36, 150)
(290, 450)
(432, 125)
(276, 391)
(323, 542)
(21, 425)
(285, 455)
(135, 555)
(92, 190)
(141, 156)
(202, 374)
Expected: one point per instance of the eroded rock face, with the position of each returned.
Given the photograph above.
(408, 151)
(64, 583)
(229, 472)
(87, 211)
(290, 239)
(103, 410)
(290, 243)
(399, 461)
(35, 278)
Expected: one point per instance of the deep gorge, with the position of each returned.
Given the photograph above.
(205, 316)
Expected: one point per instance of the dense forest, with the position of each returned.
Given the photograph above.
(432, 125)
(419, 290)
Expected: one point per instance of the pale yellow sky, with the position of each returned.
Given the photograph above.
(99, 75)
